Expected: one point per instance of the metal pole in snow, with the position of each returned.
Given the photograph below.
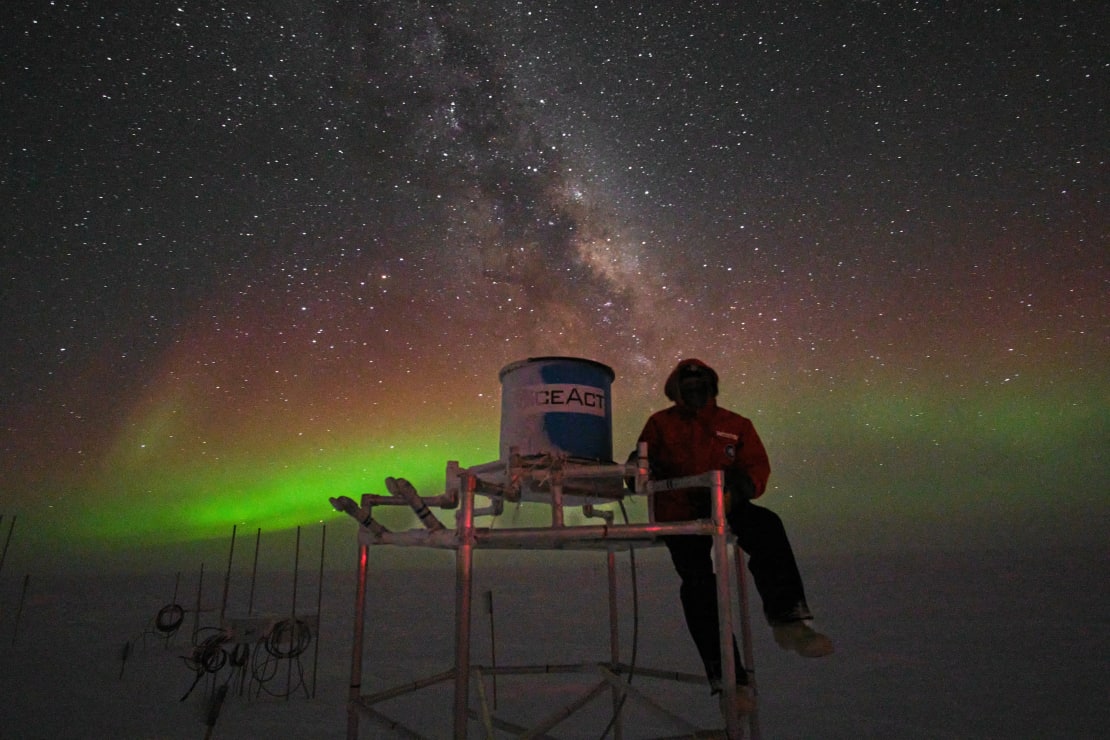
(196, 613)
(227, 574)
(296, 568)
(254, 571)
(19, 610)
(319, 615)
(492, 646)
(173, 603)
(293, 623)
(7, 540)
(214, 710)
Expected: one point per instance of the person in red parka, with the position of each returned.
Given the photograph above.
(695, 436)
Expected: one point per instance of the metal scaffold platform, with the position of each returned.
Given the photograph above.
(557, 482)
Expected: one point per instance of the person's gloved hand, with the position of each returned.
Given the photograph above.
(630, 482)
(739, 485)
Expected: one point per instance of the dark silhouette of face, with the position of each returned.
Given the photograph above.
(695, 387)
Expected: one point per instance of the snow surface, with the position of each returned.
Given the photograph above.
(929, 645)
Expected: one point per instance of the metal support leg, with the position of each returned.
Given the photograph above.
(614, 640)
(746, 635)
(724, 606)
(355, 689)
(464, 560)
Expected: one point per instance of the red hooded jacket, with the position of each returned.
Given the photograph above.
(684, 441)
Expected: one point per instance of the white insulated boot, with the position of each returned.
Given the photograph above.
(802, 639)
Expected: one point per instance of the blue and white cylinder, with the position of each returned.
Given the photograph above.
(557, 405)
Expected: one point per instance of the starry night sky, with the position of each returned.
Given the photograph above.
(261, 253)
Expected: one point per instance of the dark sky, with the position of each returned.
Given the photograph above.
(257, 254)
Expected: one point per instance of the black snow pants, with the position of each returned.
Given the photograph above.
(761, 534)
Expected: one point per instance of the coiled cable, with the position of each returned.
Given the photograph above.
(288, 639)
(169, 619)
(207, 657)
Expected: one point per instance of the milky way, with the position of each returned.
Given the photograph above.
(262, 254)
